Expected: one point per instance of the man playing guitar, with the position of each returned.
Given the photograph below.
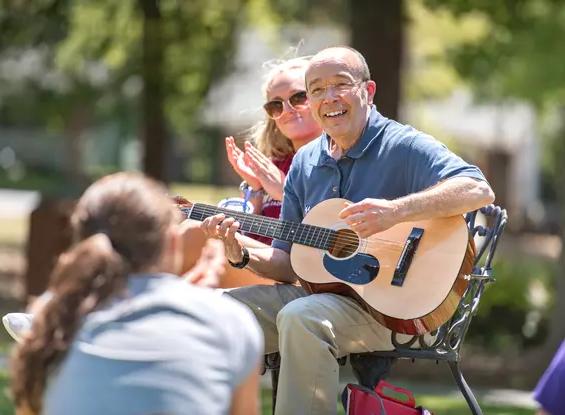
(393, 174)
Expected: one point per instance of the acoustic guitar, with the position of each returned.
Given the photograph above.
(410, 277)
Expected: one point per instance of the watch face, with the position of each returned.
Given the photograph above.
(237, 204)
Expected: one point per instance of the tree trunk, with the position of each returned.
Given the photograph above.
(74, 170)
(377, 31)
(49, 235)
(154, 134)
(557, 325)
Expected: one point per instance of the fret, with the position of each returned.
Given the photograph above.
(262, 227)
(308, 237)
(279, 232)
(318, 233)
(255, 225)
(289, 232)
(299, 231)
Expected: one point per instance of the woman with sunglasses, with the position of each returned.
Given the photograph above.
(287, 127)
(122, 334)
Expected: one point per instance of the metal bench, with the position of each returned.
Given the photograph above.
(369, 368)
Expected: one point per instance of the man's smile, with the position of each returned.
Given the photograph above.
(335, 114)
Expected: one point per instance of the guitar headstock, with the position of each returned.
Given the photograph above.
(183, 204)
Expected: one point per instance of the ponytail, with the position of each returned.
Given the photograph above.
(83, 278)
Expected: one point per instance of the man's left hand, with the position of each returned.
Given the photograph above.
(370, 216)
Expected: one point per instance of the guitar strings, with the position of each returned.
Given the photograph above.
(241, 217)
(325, 233)
(203, 209)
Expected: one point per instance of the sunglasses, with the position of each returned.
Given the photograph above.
(275, 108)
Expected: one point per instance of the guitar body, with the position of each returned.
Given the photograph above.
(410, 288)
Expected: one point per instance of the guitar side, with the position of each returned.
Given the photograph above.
(432, 287)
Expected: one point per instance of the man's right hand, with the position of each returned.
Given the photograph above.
(224, 228)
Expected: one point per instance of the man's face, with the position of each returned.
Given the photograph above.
(339, 100)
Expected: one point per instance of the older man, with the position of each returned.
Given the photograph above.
(393, 173)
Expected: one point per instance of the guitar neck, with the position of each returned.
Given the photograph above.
(309, 235)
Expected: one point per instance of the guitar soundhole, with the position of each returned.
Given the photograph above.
(345, 244)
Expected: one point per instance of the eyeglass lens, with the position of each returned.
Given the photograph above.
(275, 108)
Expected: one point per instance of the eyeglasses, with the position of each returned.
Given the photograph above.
(275, 108)
(339, 89)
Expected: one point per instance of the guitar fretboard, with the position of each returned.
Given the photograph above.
(309, 235)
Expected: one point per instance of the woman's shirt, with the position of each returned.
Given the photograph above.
(165, 348)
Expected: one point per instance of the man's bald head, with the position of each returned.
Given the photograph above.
(340, 93)
(349, 56)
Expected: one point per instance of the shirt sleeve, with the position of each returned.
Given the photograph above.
(430, 162)
(549, 390)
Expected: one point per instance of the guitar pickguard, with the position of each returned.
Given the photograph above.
(359, 269)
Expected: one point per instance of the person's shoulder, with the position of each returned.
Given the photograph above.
(228, 316)
(406, 137)
(207, 301)
(396, 133)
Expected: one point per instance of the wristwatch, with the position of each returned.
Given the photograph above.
(244, 260)
(248, 191)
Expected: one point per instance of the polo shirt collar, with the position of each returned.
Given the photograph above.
(372, 132)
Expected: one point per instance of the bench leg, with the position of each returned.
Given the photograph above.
(369, 369)
(465, 389)
(275, 384)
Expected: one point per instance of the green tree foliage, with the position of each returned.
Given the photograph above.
(94, 49)
(432, 34)
(521, 56)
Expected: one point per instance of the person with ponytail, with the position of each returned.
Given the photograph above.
(122, 334)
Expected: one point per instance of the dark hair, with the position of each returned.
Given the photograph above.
(120, 225)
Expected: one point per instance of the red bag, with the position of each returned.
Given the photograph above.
(359, 400)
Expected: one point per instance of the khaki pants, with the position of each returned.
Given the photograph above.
(310, 332)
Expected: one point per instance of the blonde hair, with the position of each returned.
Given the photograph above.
(268, 139)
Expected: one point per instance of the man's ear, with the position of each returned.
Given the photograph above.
(371, 91)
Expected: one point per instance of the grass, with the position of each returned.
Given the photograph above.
(13, 231)
(6, 407)
(457, 406)
(441, 405)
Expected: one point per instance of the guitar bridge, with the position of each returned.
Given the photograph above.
(406, 258)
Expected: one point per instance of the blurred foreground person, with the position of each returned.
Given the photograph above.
(122, 334)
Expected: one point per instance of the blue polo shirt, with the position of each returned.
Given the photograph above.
(390, 160)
